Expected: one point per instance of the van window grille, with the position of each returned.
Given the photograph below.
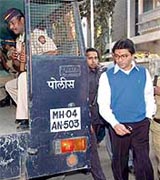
(53, 21)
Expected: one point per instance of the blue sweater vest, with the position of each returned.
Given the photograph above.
(127, 94)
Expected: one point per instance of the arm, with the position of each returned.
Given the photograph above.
(22, 59)
(51, 52)
(18, 59)
(149, 96)
(13, 55)
(104, 101)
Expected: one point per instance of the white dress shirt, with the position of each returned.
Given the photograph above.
(104, 96)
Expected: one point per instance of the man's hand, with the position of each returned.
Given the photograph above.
(92, 130)
(12, 54)
(22, 56)
(55, 52)
(18, 59)
(121, 129)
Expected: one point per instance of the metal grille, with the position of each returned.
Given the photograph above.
(53, 21)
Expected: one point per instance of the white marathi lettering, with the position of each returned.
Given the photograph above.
(52, 84)
(62, 84)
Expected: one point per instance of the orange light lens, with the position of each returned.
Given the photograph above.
(80, 144)
(67, 145)
(73, 145)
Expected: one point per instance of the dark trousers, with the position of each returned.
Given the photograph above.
(138, 142)
(99, 130)
(96, 168)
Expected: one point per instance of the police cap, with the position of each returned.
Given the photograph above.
(12, 12)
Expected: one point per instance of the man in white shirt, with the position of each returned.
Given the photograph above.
(126, 101)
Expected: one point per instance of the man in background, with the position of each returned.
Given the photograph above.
(95, 70)
(155, 125)
(96, 120)
(7, 72)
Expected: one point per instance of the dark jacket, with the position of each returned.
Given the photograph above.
(94, 75)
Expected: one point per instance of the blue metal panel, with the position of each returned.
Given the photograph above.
(13, 155)
(57, 70)
(33, 153)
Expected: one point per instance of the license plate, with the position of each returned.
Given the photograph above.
(65, 119)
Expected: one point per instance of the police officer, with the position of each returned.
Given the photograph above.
(17, 88)
(95, 71)
(96, 121)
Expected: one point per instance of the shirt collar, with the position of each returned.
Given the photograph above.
(117, 68)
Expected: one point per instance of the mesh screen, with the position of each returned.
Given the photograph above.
(53, 26)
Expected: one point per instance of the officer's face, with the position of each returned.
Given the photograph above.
(92, 59)
(16, 24)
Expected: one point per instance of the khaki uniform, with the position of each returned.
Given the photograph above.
(155, 129)
(17, 88)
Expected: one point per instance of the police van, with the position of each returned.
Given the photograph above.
(58, 138)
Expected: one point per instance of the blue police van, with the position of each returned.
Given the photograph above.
(58, 138)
